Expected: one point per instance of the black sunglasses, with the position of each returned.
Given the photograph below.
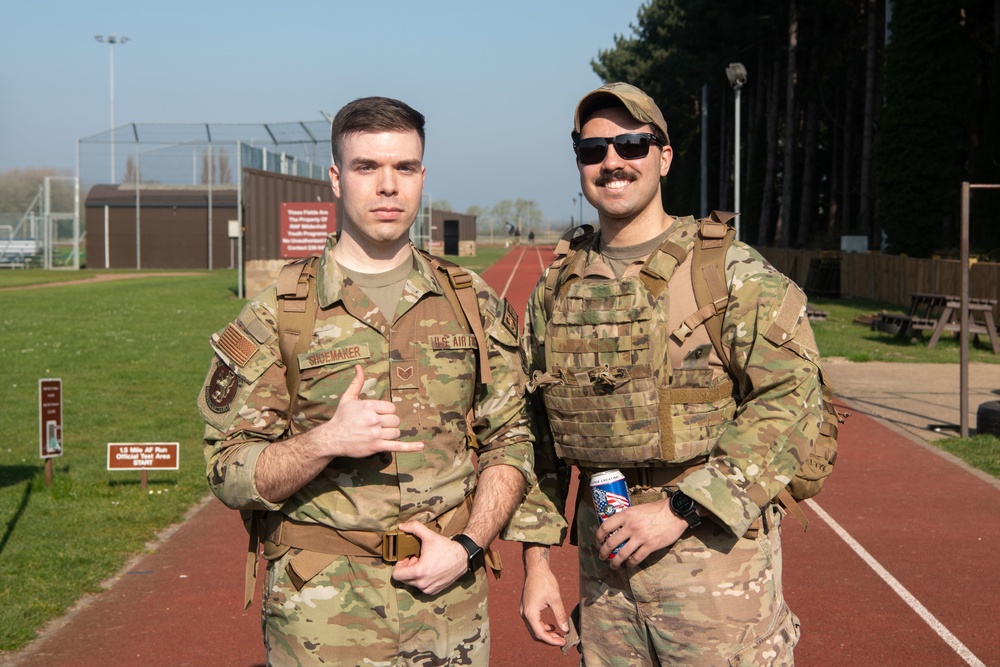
(633, 146)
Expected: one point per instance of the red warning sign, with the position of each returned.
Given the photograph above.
(50, 417)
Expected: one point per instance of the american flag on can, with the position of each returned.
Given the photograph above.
(609, 503)
(610, 493)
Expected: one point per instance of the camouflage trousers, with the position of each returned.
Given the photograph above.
(710, 599)
(353, 613)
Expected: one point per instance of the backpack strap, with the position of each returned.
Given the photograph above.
(462, 297)
(297, 306)
(708, 277)
(789, 503)
(296, 316)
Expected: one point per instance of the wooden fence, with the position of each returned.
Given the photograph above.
(888, 278)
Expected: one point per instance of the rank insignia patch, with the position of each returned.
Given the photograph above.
(509, 318)
(221, 389)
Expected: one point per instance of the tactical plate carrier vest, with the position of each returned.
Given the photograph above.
(612, 392)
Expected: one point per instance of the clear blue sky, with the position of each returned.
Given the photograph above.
(497, 81)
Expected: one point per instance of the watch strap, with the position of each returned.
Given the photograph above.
(685, 508)
(476, 558)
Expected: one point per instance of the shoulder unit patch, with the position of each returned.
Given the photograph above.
(221, 389)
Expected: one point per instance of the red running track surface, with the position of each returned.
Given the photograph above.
(930, 523)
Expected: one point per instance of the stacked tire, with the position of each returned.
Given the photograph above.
(988, 418)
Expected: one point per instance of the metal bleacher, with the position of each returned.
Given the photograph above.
(18, 253)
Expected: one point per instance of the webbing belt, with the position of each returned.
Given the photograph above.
(321, 544)
(391, 546)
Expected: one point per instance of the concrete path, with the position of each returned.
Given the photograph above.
(921, 399)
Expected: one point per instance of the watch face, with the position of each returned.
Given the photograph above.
(681, 503)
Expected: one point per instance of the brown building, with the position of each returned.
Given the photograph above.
(171, 224)
(452, 234)
(170, 227)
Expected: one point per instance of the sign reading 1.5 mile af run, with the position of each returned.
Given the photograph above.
(142, 455)
(50, 417)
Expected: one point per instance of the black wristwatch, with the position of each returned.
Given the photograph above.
(477, 558)
(685, 508)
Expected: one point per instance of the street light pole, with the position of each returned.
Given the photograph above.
(737, 75)
(111, 40)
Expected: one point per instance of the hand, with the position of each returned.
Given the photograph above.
(360, 428)
(440, 564)
(647, 528)
(541, 590)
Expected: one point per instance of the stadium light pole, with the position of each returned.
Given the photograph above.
(111, 40)
(737, 75)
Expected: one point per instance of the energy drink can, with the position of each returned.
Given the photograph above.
(610, 492)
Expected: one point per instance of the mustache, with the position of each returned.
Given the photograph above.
(606, 177)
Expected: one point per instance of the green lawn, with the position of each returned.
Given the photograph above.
(841, 336)
(485, 257)
(132, 355)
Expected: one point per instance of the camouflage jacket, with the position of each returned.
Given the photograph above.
(425, 363)
(777, 390)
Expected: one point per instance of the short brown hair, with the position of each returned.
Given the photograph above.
(374, 114)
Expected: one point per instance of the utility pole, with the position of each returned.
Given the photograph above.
(111, 40)
(737, 75)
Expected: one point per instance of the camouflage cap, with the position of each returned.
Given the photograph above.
(639, 105)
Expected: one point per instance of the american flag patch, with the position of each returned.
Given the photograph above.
(236, 345)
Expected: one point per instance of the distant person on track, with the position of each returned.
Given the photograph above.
(627, 376)
(366, 414)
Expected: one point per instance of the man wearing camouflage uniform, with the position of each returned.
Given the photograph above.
(359, 479)
(630, 380)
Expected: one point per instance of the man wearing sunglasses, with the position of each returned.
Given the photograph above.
(625, 375)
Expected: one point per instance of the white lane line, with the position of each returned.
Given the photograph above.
(541, 262)
(914, 604)
(513, 271)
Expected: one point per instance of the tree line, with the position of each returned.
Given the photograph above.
(859, 117)
(19, 187)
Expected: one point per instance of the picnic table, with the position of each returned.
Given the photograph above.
(939, 313)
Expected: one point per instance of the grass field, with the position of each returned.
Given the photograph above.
(840, 336)
(132, 355)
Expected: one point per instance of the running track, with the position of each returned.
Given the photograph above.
(901, 566)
